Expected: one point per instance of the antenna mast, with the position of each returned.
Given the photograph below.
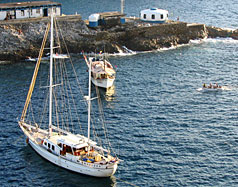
(122, 6)
(51, 73)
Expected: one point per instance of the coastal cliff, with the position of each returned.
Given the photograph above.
(23, 38)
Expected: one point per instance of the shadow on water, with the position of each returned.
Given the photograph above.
(48, 174)
(107, 93)
(110, 93)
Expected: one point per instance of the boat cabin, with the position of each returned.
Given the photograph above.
(30, 9)
(102, 69)
(68, 146)
(51, 146)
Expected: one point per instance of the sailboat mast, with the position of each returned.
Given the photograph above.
(51, 74)
(89, 98)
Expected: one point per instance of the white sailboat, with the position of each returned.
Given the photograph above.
(103, 73)
(63, 148)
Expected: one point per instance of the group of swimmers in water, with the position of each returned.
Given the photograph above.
(214, 86)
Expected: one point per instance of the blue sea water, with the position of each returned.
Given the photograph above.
(167, 133)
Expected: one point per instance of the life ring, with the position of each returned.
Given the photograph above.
(27, 140)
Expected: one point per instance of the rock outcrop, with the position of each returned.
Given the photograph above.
(22, 38)
(214, 32)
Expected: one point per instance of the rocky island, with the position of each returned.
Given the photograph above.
(22, 38)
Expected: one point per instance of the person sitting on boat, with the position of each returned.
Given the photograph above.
(210, 85)
(215, 86)
(204, 85)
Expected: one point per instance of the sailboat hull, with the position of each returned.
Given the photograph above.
(103, 83)
(64, 162)
(69, 165)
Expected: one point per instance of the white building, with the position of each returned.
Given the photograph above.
(94, 20)
(106, 18)
(154, 15)
(29, 9)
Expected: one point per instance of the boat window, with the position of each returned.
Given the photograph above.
(45, 144)
(162, 16)
(152, 16)
(48, 145)
(144, 16)
(53, 147)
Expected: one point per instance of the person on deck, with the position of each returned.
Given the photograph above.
(215, 86)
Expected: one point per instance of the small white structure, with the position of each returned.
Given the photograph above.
(93, 20)
(106, 18)
(29, 9)
(154, 15)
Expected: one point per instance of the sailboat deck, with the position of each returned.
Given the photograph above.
(100, 66)
(39, 135)
(71, 140)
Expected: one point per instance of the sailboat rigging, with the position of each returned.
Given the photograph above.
(72, 151)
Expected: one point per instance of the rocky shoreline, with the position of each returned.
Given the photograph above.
(23, 38)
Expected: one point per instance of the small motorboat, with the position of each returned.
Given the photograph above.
(60, 56)
(30, 59)
(47, 57)
(213, 88)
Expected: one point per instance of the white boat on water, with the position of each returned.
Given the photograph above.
(56, 142)
(60, 56)
(46, 58)
(213, 89)
(103, 73)
(30, 59)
